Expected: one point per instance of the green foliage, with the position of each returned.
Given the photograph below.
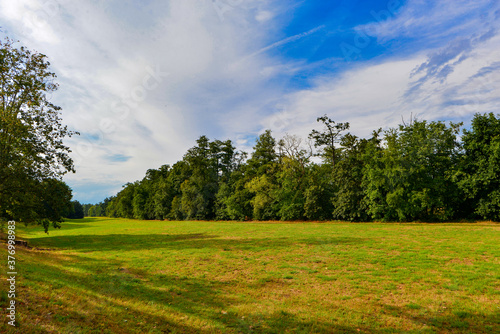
(328, 138)
(76, 211)
(233, 198)
(479, 176)
(210, 163)
(349, 201)
(56, 200)
(293, 178)
(262, 178)
(122, 204)
(411, 178)
(139, 203)
(418, 171)
(32, 153)
(319, 193)
(188, 190)
(264, 202)
(264, 154)
(196, 198)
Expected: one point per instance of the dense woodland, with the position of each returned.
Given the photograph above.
(419, 171)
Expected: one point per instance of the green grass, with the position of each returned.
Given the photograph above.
(124, 276)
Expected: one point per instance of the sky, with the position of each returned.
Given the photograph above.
(142, 80)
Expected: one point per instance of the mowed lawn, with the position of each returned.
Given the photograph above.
(100, 275)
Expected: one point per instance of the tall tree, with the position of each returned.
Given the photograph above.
(198, 192)
(162, 193)
(262, 180)
(121, 205)
(211, 164)
(319, 193)
(179, 174)
(479, 176)
(328, 138)
(292, 177)
(31, 132)
(264, 154)
(233, 199)
(349, 201)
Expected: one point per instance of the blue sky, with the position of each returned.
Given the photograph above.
(142, 80)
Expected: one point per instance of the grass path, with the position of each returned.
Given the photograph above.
(104, 275)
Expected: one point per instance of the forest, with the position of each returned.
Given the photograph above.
(419, 171)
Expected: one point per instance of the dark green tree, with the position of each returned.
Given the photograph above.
(319, 193)
(293, 177)
(479, 175)
(86, 208)
(264, 154)
(179, 174)
(76, 211)
(119, 206)
(233, 199)
(160, 201)
(328, 138)
(235, 196)
(31, 132)
(412, 177)
(262, 180)
(55, 202)
(349, 200)
(199, 191)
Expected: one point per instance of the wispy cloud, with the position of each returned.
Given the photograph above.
(484, 71)
(431, 21)
(442, 63)
(287, 40)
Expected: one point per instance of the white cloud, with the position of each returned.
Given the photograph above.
(367, 98)
(103, 62)
(264, 15)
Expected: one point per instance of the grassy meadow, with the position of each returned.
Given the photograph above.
(101, 275)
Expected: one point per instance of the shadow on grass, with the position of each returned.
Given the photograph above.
(108, 302)
(130, 300)
(70, 295)
(71, 224)
(451, 321)
(127, 242)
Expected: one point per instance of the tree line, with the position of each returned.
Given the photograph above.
(420, 171)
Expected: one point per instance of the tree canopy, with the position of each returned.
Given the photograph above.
(417, 171)
(32, 153)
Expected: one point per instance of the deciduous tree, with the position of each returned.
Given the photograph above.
(31, 131)
(479, 176)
